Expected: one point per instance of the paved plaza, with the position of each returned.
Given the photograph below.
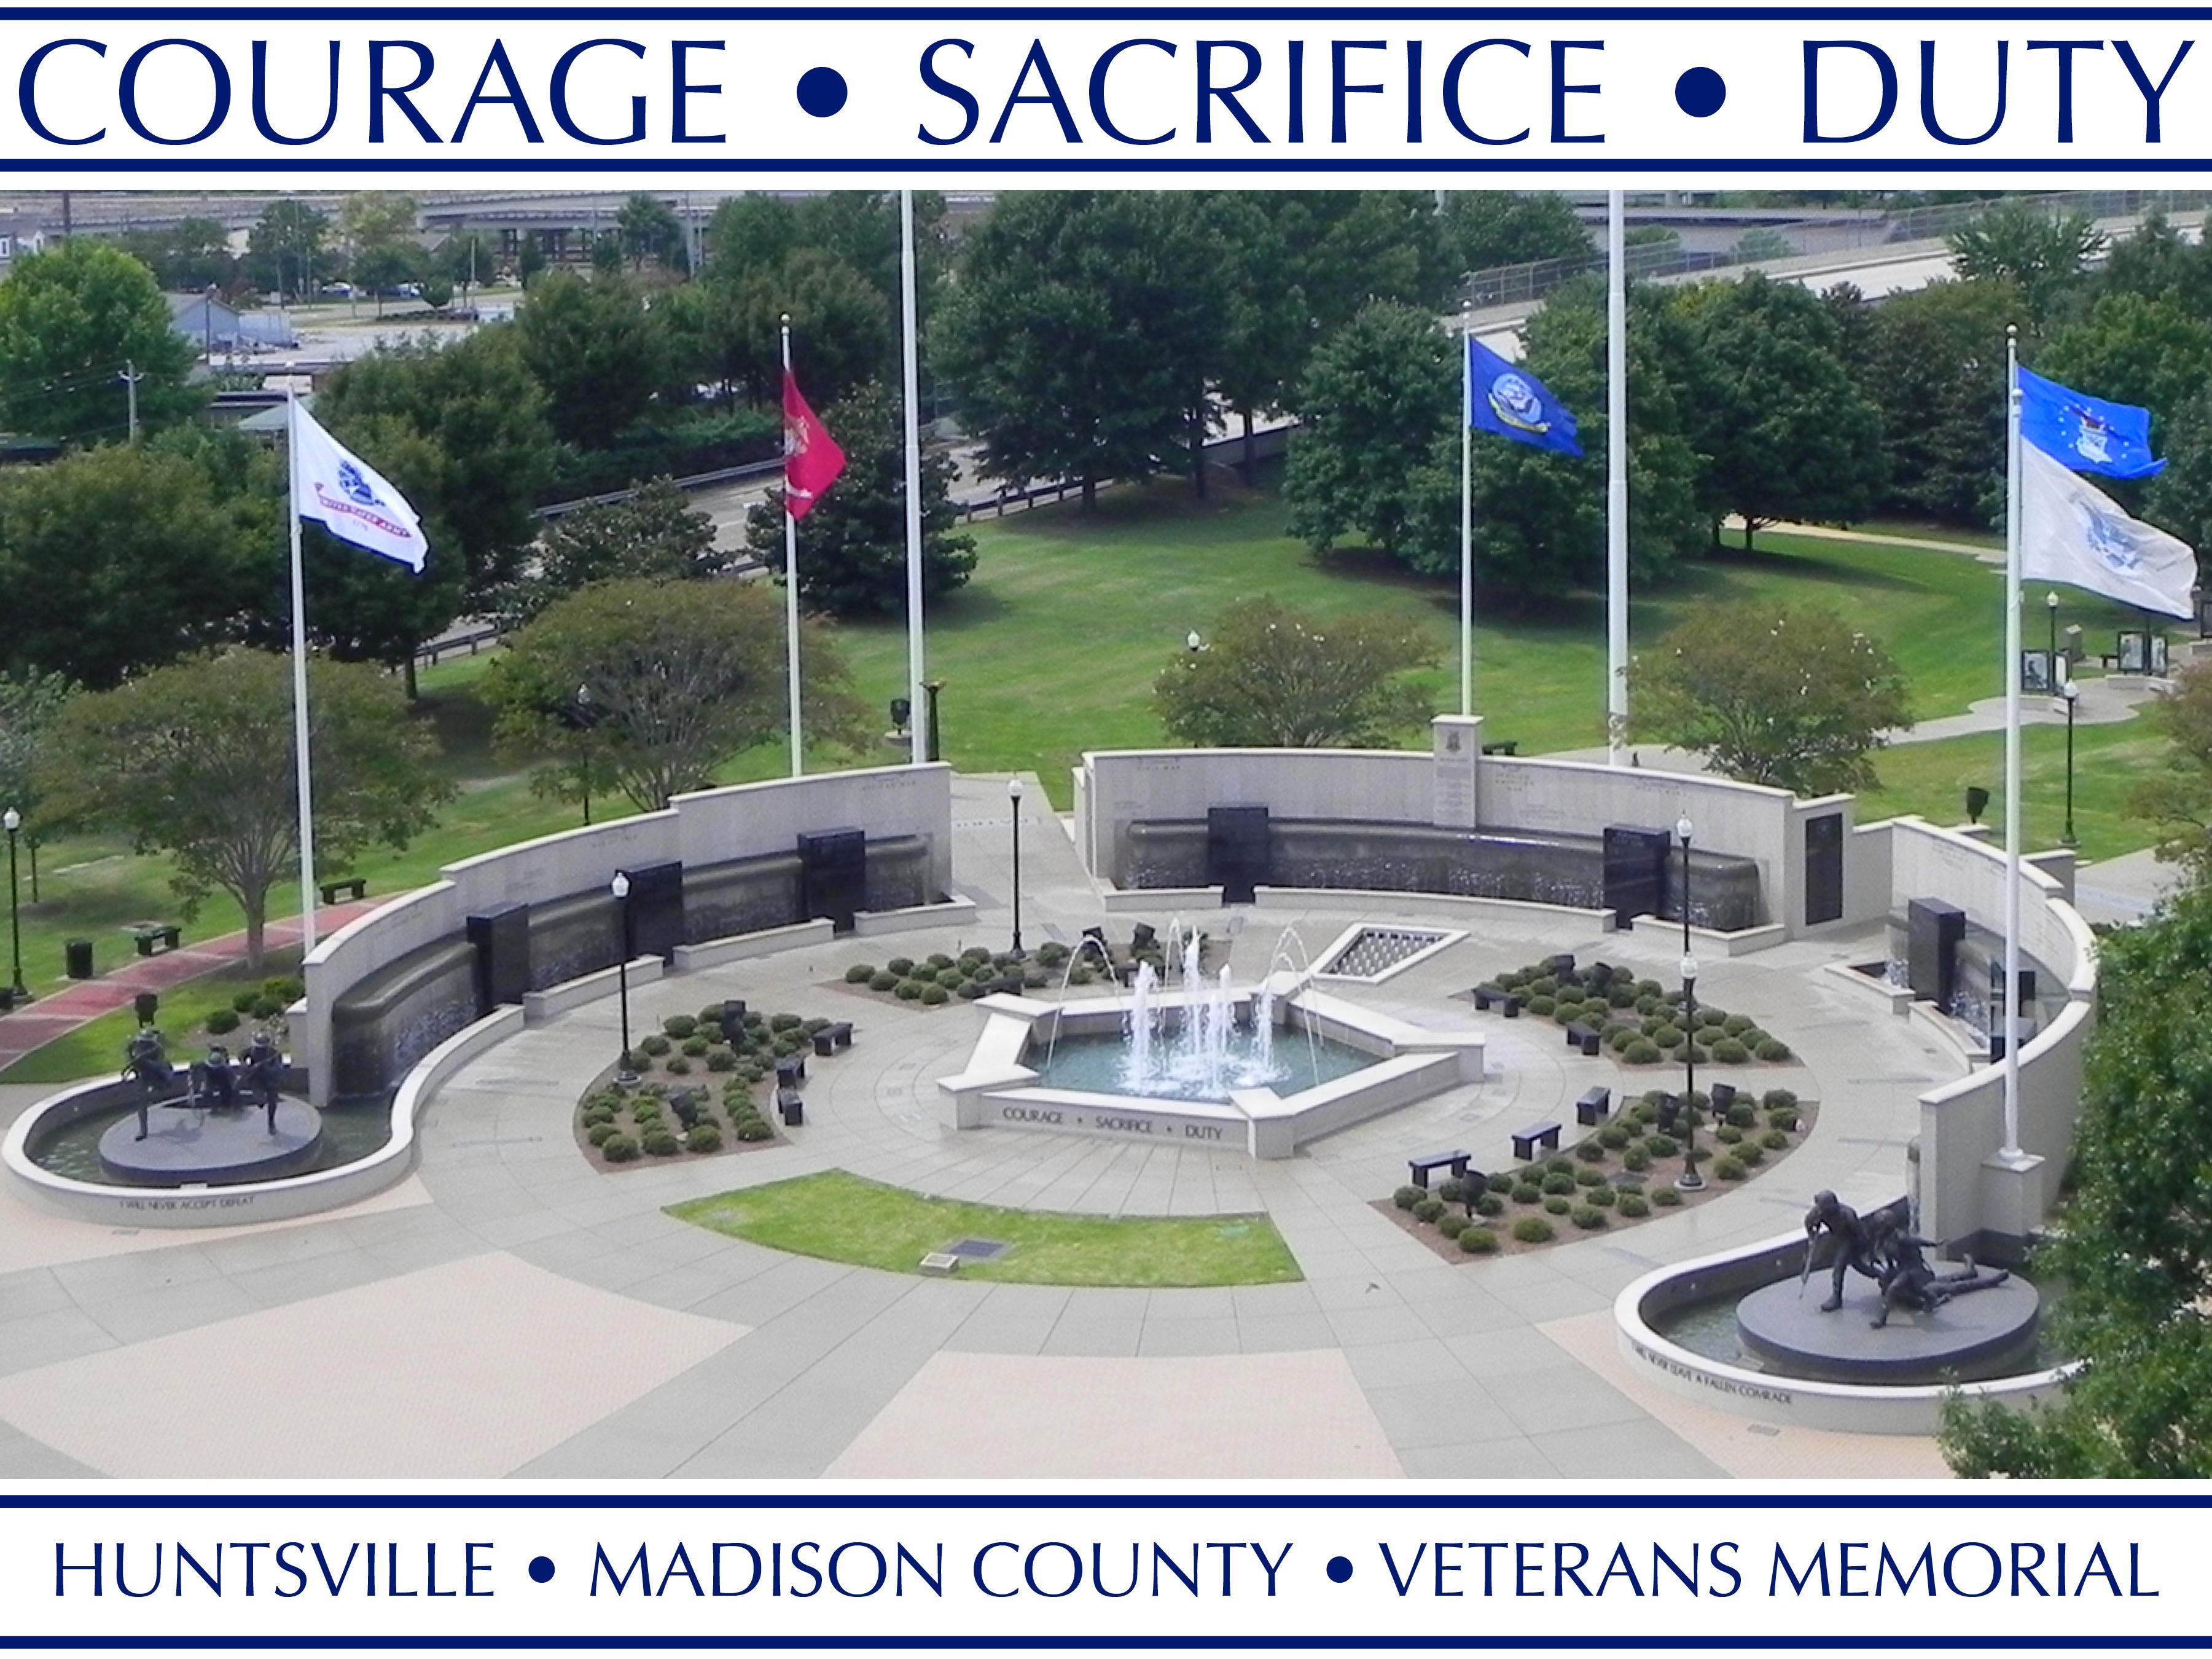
(511, 1309)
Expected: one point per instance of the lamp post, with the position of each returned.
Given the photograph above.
(12, 821)
(2050, 608)
(1195, 640)
(1014, 822)
(1682, 834)
(1689, 1181)
(2071, 691)
(625, 1074)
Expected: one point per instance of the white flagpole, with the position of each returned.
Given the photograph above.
(1616, 486)
(1466, 508)
(2003, 1019)
(917, 719)
(300, 677)
(790, 579)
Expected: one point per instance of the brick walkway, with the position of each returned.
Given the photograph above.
(36, 1024)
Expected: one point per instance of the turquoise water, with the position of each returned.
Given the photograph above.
(351, 1130)
(1098, 1065)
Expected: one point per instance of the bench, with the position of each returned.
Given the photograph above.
(1594, 1106)
(166, 935)
(790, 1069)
(1511, 1006)
(1486, 995)
(1581, 1037)
(353, 887)
(1526, 1141)
(1456, 1162)
(1561, 966)
(831, 1038)
(790, 1107)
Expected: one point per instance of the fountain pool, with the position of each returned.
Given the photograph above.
(1102, 1064)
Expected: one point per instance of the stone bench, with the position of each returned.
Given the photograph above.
(1456, 1162)
(832, 1039)
(353, 887)
(1582, 1038)
(790, 1071)
(1509, 1003)
(1594, 1106)
(168, 935)
(1526, 1141)
(790, 1107)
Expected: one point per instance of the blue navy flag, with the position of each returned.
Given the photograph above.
(2088, 433)
(1514, 404)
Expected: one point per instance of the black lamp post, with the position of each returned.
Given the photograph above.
(1690, 1180)
(2071, 691)
(12, 821)
(1014, 822)
(1682, 834)
(2051, 605)
(625, 1073)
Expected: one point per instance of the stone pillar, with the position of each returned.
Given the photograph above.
(1455, 748)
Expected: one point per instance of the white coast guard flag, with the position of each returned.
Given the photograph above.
(349, 498)
(2070, 531)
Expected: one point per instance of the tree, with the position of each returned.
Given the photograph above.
(30, 703)
(1070, 334)
(468, 261)
(382, 269)
(1487, 229)
(1271, 677)
(1934, 366)
(2178, 796)
(1761, 243)
(284, 245)
(116, 560)
(1773, 406)
(2041, 253)
(196, 761)
(2149, 351)
(1796, 699)
(678, 677)
(853, 562)
(187, 256)
(595, 350)
(530, 259)
(650, 231)
(1348, 248)
(71, 319)
(2135, 1243)
(654, 535)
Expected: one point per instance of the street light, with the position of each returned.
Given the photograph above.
(2071, 691)
(2051, 606)
(12, 821)
(1690, 1180)
(1014, 822)
(1194, 640)
(1682, 834)
(625, 1074)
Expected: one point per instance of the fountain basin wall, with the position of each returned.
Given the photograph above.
(1764, 1397)
(384, 989)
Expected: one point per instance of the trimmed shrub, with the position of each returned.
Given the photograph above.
(1480, 1240)
(1650, 988)
(1590, 1178)
(754, 1129)
(1557, 1206)
(1451, 1223)
(1590, 1149)
(859, 973)
(1727, 1169)
(1541, 1006)
(656, 1044)
(1736, 1024)
(1751, 1153)
(1543, 985)
(703, 1137)
(1453, 1191)
(1742, 1114)
(1662, 1146)
(1588, 1217)
(1407, 1197)
(1505, 1181)
(618, 1149)
(266, 1007)
(1558, 1164)
(600, 1133)
(923, 974)
(1667, 1036)
(1621, 995)
(679, 1026)
(1636, 1159)
(933, 996)
(1603, 1197)
(1528, 1192)
(784, 1023)
(1531, 1229)
(223, 1021)
(1665, 1198)
(1727, 1134)
(973, 989)
(939, 959)
(884, 981)
(1715, 1016)
(1080, 975)
(1633, 1206)
(721, 1059)
(1489, 1203)
(1613, 1135)
(695, 1047)
(909, 990)
(901, 966)
(1773, 1048)
(1775, 1140)
(678, 1066)
(1775, 1099)
(1428, 1210)
(1729, 1052)
(1558, 1183)
(1641, 1052)
(1052, 952)
(645, 1112)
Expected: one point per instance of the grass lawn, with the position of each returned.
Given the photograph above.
(98, 1047)
(842, 1217)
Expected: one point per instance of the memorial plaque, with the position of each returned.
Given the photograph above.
(1934, 930)
(655, 910)
(501, 938)
(1239, 850)
(1824, 869)
(1635, 871)
(834, 875)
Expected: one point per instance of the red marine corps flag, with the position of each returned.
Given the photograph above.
(811, 459)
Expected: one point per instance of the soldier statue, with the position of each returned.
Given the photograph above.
(145, 1060)
(1841, 1223)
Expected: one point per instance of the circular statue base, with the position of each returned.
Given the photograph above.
(1967, 1338)
(212, 1145)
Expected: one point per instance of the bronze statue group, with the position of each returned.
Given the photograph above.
(1887, 1251)
(217, 1082)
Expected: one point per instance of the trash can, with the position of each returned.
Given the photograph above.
(147, 1004)
(77, 954)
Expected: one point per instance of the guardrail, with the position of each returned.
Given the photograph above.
(751, 469)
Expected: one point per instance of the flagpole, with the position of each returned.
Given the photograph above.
(300, 677)
(790, 575)
(918, 736)
(1466, 508)
(2005, 1019)
(1616, 485)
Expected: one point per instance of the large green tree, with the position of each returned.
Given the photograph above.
(651, 232)
(2155, 352)
(30, 704)
(72, 320)
(2041, 252)
(654, 535)
(286, 247)
(597, 351)
(677, 678)
(189, 256)
(1796, 699)
(1932, 362)
(196, 761)
(2177, 797)
(1270, 677)
(1486, 228)
(852, 555)
(2134, 1242)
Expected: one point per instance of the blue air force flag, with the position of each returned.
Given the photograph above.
(2088, 433)
(1514, 404)
(349, 498)
(2070, 531)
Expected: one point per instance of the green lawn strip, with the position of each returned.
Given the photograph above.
(2109, 762)
(842, 1217)
(97, 1047)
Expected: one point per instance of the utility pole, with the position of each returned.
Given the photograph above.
(130, 378)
